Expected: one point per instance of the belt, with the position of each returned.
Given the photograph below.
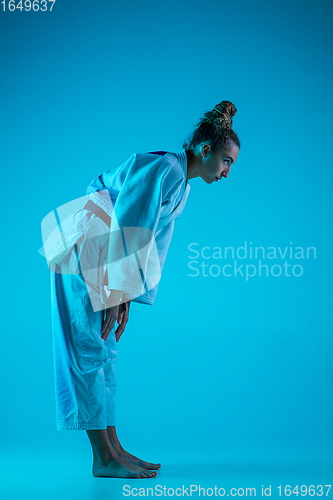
(92, 207)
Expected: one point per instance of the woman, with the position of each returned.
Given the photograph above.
(111, 252)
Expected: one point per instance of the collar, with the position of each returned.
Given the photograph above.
(182, 158)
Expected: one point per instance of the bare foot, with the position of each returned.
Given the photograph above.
(137, 461)
(119, 467)
(115, 443)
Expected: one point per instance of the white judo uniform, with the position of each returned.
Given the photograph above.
(148, 191)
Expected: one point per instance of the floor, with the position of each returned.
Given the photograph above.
(32, 476)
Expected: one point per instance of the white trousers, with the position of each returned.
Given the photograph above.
(85, 382)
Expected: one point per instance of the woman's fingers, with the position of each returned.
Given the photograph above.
(118, 336)
(119, 313)
(122, 326)
(111, 314)
(120, 316)
(106, 323)
(119, 331)
(108, 329)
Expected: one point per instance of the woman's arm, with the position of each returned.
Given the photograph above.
(134, 222)
(117, 312)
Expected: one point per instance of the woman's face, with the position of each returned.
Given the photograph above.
(215, 167)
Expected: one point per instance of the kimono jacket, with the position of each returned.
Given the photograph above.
(143, 197)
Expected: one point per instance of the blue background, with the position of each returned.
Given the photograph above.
(225, 381)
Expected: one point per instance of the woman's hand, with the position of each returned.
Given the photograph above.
(115, 312)
(122, 319)
(111, 314)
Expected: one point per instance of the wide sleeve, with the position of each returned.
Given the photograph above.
(133, 258)
(163, 239)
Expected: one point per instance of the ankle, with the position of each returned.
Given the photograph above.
(104, 458)
(116, 445)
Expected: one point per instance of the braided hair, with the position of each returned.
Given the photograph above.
(215, 128)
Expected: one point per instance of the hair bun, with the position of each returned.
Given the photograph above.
(215, 128)
(224, 111)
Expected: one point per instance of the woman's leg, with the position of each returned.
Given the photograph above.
(112, 434)
(79, 355)
(110, 387)
(79, 358)
(107, 462)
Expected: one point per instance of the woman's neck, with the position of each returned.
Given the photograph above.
(193, 165)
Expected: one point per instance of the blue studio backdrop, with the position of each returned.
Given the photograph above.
(229, 374)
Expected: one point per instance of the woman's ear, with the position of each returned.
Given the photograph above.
(205, 150)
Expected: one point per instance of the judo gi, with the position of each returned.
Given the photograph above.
(141, 197)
